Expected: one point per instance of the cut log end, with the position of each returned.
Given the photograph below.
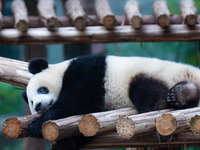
(166, 124)
(195, 124)
(22, 25)
(136, 22)
(163, 21)
(109, 22)
(125, 127)
(50, 131)
(12, 128)
(89, 125)
(80, 23)
(52, 23)
(191, 20)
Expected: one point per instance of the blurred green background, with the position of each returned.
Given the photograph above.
(11, 103)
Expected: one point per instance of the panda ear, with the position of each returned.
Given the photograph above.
(36, 65)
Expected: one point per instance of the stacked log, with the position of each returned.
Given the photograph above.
(1, 16)
(20, 14)
(75, 12)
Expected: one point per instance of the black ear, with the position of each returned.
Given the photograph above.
(36, 65)
(25, 97)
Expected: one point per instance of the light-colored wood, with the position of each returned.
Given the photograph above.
(34, 21)
(61, 128)
(188, 12)
(17, 127)
(139, 124)
(103, 122)
(47, 14)
(105, 14)
(178, 121)
(20, 14)
(115, 141)
(162, 13)
(14, 72)
(133, 13)
(74, 10)
(98, 34)
(195, 124)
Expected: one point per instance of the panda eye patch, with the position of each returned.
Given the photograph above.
(42, 90)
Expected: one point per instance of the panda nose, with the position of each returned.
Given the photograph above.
(38, 106)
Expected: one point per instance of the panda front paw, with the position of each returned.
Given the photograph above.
(35, 128)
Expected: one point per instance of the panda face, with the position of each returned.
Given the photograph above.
(44, 87)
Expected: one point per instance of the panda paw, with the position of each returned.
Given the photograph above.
(172, 99)
(35, 128)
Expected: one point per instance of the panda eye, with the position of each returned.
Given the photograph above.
(42, 90)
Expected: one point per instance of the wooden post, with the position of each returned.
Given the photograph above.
(105, 14)
(188, 12)
(47, 13)
(20, 15)
(139, 124)
(17, 127)
(75, 12)
(161, 11)
(178, 121)
(99, 123)
(132, 10)
(61, 128)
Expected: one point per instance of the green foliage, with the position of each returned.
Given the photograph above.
(10, 99)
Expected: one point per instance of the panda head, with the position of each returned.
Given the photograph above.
(44, 87)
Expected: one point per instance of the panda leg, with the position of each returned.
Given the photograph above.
(183, 95)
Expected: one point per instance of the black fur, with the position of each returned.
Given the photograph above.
(24, 95)
(37, 65)
(82, 92)
(147, 93)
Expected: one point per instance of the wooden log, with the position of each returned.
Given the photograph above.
(61, 128)
(74, 10)
(161, 11)
(105, 14)
(35, 22)
(47, 13)
(14, 72)
(20, 14)
(188, 12)
(17, 127)
(139, 124)
(103, 122)
(97, 34)
(178, 121)
(115, 141)
(133, 13)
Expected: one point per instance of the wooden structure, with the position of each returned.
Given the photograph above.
(79, 28)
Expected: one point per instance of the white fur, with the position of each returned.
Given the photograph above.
(50, 78)
(121, 70)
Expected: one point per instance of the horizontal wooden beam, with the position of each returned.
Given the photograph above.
(98, 34)
(34, 21)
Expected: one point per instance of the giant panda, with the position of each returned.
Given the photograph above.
(97, 83)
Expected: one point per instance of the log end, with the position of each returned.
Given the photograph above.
(12, 128)
(136, 22)
(89, 125)
(50, 131)
(52, 23)
(191, 20)
(164, 21)
(166, 124)
(22, 25)
(125, 127)
(109, 22)
(195, 124)
(80, 23)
